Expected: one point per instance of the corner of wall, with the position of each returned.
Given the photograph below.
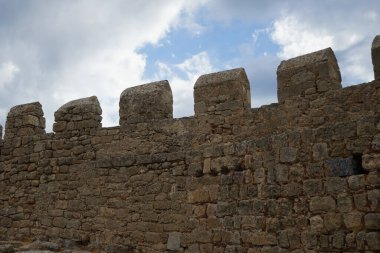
(375, 53)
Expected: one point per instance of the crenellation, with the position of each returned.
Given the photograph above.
(375, 53)
(25, 120)
(78, 115)
(308, 74)
(299, 175)
(230, 91)
(147, 102)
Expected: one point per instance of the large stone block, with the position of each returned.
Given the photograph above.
(316, 72)
(342, 167)
(226, 91)
(147, 102)
(26, 119)
(174, 241)
(375, 52)
(79, 114)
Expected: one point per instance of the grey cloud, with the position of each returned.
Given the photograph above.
(352, 25)
(64, 46)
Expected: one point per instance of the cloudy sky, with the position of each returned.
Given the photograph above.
(56, 51)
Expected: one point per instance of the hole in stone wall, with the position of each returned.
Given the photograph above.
(358, 168)
(199, 173)
(224, 170)
(344, 167)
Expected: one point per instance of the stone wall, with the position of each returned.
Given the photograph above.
(301, 175)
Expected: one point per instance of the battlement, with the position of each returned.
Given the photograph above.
(152, 101)
(79, 115)
(25, 120)
(308, 74)
(221, 93)
(301, 175)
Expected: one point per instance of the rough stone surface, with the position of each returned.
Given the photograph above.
(25, 120)
(230, 92)
(312, 73)
(152, 101)
(375, 52)
(279, 178)
(6, 248)
(174, 241)
(78, 115)
(371, 161)
(342, 167)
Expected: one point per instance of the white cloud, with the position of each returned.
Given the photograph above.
(297, 38)
(73, 49)
(324, 25)
(182, 77)
(8, 70)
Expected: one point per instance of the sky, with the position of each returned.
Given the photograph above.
(55, 51)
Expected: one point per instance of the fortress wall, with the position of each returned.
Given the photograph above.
(300, 175)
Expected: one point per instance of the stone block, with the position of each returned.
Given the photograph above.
(174, 241)
(342, 167)
(373, 240)
(322, 204)
(227, 91)
(316, 223)
(312, 187)
(335, 185)
(117, 248)
(374, 199)
(147, 102)
(310, 73)
(338, 240)
(288, 154)
(320, 151)
(361, 201)
(375, 52)
(79, 114)
(282, 173)
(259, 238)
(226, 209)
(371, 162)
(7, 248)
(332, 221)
(344, 203)
(353, 220)
(372, 221)
(25, 120)
(199, 196)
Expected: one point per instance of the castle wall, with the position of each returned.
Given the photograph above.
(298, 176)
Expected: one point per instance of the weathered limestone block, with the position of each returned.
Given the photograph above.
(84, 113)
(373, 240)
(147, 102)
(371, 162)
(372, 221)
(25, 120)
(375, 52)
(342, 167)
(308, 74)
(174, 241)
(227, 91)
